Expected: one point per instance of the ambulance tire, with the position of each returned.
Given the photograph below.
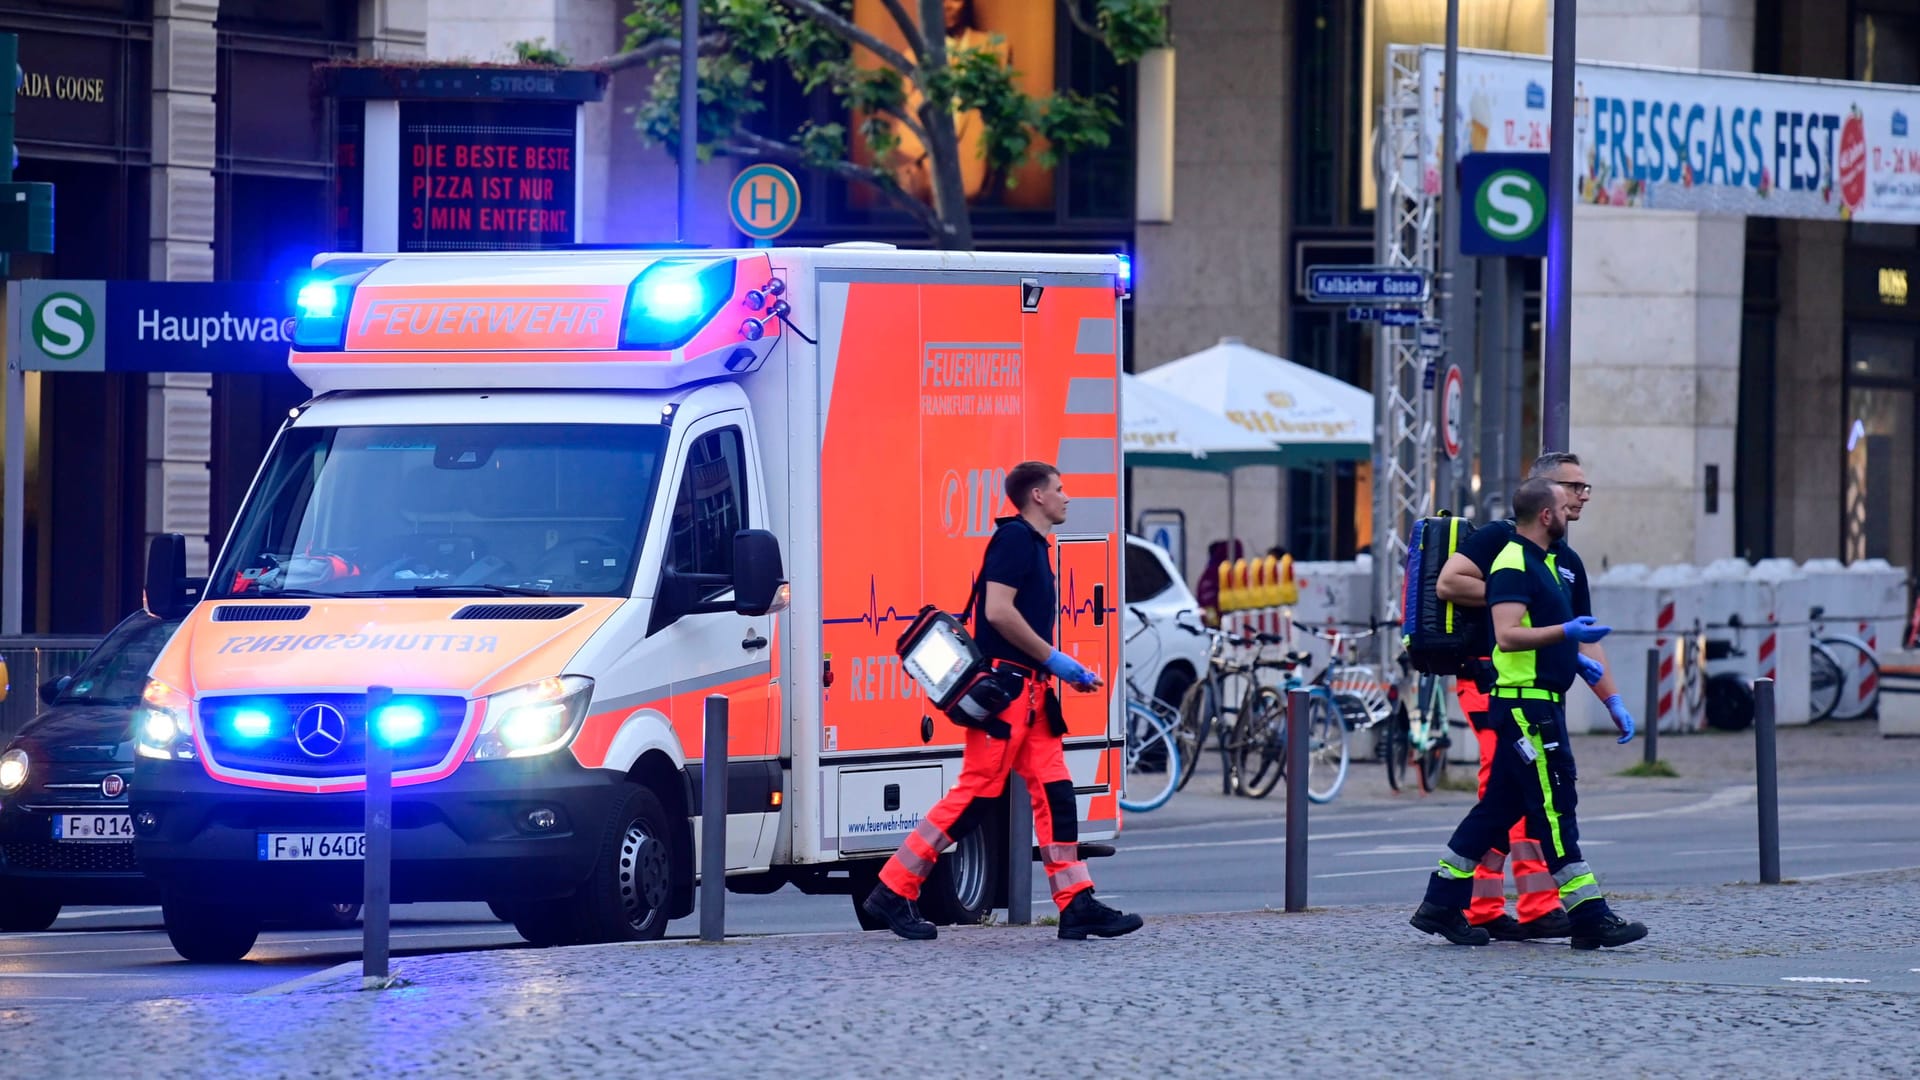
(543, 922)
(626, 897)
(965, 885)
(209, 933)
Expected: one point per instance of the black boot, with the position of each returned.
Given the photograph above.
(902, 915)
(1449, 923)
(1084, 915)
(1503, 928)
(1551, 925)
(1606, 932)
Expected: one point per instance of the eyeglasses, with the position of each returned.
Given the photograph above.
(1578, 487)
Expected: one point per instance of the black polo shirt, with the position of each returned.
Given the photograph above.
(1021, 558)
(1522, 574)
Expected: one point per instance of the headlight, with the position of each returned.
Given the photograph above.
(13, 770)
(163, 724)
(534, 719)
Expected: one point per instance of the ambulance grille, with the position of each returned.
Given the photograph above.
(260, 612)
(517, 612)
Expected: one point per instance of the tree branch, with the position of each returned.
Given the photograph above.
(849, 31)
(906, 121)
(908, 27)
(1080, 22)
(660, 49)
(745, 143)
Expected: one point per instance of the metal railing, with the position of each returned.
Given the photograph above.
(32, 660)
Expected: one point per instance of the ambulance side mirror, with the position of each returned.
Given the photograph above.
(758, 574)
(170, 592)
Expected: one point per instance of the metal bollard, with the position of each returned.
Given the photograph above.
(1652, 714)
(377, 870)
(1019, 852)
(1766, 777)
(713, 822)
(1297, 700)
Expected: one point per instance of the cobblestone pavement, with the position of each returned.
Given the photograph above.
(1344, 992)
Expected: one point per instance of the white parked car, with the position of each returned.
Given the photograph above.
(1164, 659)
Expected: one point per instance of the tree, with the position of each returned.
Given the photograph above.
(918, 92)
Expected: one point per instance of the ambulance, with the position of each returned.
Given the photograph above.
(552, 502)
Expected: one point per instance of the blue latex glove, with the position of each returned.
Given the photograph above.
(1622, 719)
(1591, 670)
(1071, 670)
(1585, 630)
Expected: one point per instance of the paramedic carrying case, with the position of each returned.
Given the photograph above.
(1441, 638)
(941, 656)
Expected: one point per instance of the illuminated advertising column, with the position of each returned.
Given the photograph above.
(436, 158)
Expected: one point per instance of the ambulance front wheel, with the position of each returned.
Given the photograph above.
(209, 933)
(627, 896)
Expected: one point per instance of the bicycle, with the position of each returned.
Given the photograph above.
(1690, 676)
(1149, 749)
(1419, 738)
(1262, 758)
(1855, 693)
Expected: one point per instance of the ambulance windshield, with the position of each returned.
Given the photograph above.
(449, 510)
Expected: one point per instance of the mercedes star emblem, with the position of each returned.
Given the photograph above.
(319, 730)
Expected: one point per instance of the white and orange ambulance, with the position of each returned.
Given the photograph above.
(554, 501)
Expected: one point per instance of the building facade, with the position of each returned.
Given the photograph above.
(1752, 391)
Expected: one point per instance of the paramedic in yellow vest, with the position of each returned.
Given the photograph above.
(1536, 657)
(1463, 581)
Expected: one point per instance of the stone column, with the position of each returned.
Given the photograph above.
(393, 28)
(1656, 321)
(179, 409)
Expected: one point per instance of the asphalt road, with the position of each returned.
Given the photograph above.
(1200, 853)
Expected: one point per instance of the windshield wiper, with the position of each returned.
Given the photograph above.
(468, 590)
(278, 594)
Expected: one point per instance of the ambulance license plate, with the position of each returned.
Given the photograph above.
(88, 828)
(295, 847)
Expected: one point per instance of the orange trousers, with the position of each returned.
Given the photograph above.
(1037, 754)
(1539, 893)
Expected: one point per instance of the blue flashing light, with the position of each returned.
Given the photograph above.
(321, 322)
(1124, 283)
(672, 299)
(324, 302)
(251, 723)
(318, 300)
(399, 724)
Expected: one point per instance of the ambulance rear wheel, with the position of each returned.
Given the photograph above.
(209, 933)
(626, 897)
(965, 886)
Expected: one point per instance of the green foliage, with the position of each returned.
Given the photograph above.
(538, 52)
(743, 41)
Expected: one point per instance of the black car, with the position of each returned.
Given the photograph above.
(65, 836)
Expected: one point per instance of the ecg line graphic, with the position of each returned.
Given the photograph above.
(1072, 607)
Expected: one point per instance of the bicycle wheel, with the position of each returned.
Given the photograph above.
(1197, 711)
(1393, 745)
(1430, 746)
(1825, 680)
(1150, 761)
(1860, 690)
(1327, 750)
(1693, 681)
(1263, 742)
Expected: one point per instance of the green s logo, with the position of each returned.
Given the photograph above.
(63, 326)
